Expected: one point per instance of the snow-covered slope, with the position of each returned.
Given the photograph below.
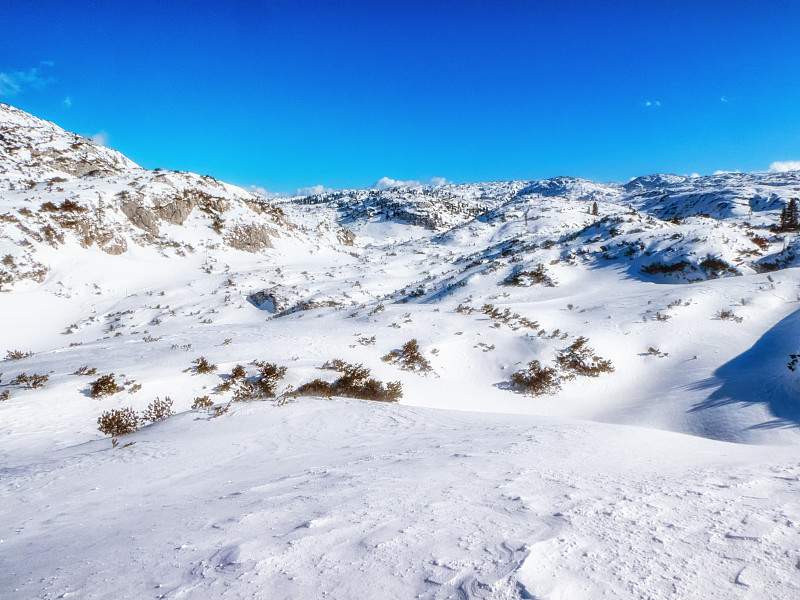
(684, 285)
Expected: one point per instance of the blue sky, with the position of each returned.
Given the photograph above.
(288, 95)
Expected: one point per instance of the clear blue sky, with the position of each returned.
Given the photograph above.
(286, 95)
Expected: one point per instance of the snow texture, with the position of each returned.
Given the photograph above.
(674, 475)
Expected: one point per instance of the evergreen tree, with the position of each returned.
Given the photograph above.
(790, 216)
(594, 209)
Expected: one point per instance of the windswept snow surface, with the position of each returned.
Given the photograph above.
(674, 476)
(352, 499)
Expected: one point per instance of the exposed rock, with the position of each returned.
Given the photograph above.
(140, 216)
(250, 238)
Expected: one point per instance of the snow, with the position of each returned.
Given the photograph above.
(675, 475)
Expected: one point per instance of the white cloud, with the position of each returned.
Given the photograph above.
(783, 166)
(67, 102)
(722, 172)
(12, 83)
(384, 183)
(101, 137)
(694, 175)
(314, 189)
(261, 191)
(653, 103)
(724, 99)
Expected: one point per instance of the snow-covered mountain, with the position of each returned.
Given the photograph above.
(683, 287)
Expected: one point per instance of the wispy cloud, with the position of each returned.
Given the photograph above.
(784, 165)
(102, 138)
(384, 183)
(652, 103)
(261, 191)
(67, 102)
(15, 82)
(314, 189)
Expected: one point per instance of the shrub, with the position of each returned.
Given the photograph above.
(528, 278)
(580, 359)
(5, 395)
(716, 266)
(118, 422)
(238, 372)
(202, 402)
(317, 387)
(659, 267)
(85, 370)
(218, 411)
(104, 386)
(268, 377)
(203, 366)
(354, 382)
(30, 381)
(409, 358)
(536, 380)
(17, 355)
(158, 410)
(729, 315)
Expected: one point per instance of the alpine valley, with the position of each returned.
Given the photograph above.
(526, 389)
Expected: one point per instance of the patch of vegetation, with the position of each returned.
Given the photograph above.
(536, 380)
(85, 370)
(761, 242)
(118, 422)
(354, 382)
(17, 355)
(105, 385)
(538, 276)
(661, 268)
(262, 385)
(66, 206)
(729, 315)
(32, 381)
(202, 366)
(409, 358)
(158, 410)
(580, 359)
(201, 403)
(717, 266)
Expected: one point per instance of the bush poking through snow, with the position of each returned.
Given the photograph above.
(409, 358)
(202, 366)
(158, 410)
(354, 382)
(729, 315)
(85, 370)
(17, 355)
(528, 278)
(32, 381)
(118, 422)
(104, 386)
(269, 375)
(536, 380)
(202, 403)
(580, 359)
(262, 385)
(237, 376)
(5, 395)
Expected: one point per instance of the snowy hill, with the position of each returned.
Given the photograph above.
(658, 308)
